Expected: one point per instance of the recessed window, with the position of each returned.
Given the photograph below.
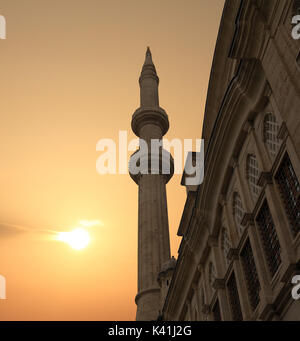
(238, 212)
(269, 238)
(296, 8)
(289, 188)
(234, 300)
(253, 175)
(271, 129)
(225, 244)
(250, 272)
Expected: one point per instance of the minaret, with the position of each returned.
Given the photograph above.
(151, 122)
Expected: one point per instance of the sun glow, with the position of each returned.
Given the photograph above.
(78, 239)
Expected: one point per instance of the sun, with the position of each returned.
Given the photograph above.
(78, 239)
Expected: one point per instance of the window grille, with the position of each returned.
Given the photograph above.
(289, 188)
(250, 273)
(225, 244)
(271, 129)
(238, 211)
(269, 238)
(253, 175)
(296, 7)
(234, 299)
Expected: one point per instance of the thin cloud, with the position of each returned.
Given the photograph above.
(10, 230)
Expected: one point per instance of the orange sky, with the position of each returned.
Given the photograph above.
(69, 77)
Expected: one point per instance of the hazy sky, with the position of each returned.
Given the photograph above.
(69, 77)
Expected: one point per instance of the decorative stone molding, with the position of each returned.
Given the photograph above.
(200, 268)
(249, 36)
(219, 284)
(248, 218)
(194, 286)
(233, 254)
(283, 132)
(233, 162)
(205, 309)
(268, 312)
(144, 292)
(248, 126)
(212, 241)
(222, 200)
(264, 179)
(150, 115)
(163, 161)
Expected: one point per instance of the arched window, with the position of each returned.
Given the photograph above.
(271, 129)
(238, 212)
(225, 244)
(253, 173)
(211, 274)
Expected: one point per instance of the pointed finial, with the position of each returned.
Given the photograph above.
(148, 59)
(149, 91)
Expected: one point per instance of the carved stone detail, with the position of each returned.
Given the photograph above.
(233, 254)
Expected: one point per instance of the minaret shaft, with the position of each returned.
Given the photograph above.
(149, 93)
(151, 122)
(153, 230)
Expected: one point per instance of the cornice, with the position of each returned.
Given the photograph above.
(249, 37)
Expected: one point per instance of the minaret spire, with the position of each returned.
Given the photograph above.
(148, 59)
(150, 122)
(149, 82)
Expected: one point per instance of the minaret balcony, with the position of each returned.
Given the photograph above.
(149, 115)
(145, 163)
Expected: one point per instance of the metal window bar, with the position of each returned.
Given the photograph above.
(269, 238)
(238, 211)
(271, 129)
(253, 175)
(250, 272)
(289, 188)
(234, 299)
